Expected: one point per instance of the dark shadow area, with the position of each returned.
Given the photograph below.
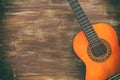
(6, 71)
(115, 4)
(80, 66)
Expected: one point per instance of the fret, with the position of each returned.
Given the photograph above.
(79, 12)
(86, 26)
(92, 41)
(91, 37)
(82, 18)
(77, 9)
(88, 29)
(74, 5)
(88, 32)
(82, 22)
(91, 33)
(72, 1)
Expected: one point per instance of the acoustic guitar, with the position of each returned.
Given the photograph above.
(97, 46)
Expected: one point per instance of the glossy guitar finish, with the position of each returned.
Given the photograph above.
(96, 70)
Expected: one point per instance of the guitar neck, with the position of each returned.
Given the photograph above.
(83, 21)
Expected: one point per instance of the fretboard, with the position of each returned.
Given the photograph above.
(83, 21)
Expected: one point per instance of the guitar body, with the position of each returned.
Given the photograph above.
(99, 70)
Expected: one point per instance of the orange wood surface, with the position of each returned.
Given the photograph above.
(94, 70)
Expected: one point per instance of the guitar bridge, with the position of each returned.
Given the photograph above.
(115, 77)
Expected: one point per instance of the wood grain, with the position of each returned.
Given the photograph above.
(40, 35)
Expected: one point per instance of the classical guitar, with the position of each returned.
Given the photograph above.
(97, 46)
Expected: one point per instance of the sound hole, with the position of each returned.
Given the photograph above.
(100, 51)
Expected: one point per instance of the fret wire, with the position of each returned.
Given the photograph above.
(77, 9)
(93, 40)
(86, 26)
(74, 5)
(91, 37)
(79, 12)
(83, 22)
(88, 30)
(82, 18)
(90, 33)
(72, 1)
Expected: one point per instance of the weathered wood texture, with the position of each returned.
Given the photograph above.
(40, 35)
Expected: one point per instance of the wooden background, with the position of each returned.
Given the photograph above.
(36, 37)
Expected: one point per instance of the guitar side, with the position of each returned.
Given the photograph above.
(102, 70)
